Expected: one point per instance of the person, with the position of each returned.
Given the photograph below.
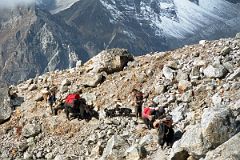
(148, 116)
(51, 99)
(166, 132)
(12, 94)
(138, 96)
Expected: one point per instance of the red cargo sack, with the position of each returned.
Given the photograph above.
(71, 97)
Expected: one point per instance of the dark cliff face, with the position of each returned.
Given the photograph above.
(34, 41)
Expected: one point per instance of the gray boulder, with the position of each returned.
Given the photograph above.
(66, 82)
(178, 113)
(32, 87)
(217, 71)
(115, 148)
(5, 111)
(237, 36)
(109, 61)
(226, 50)
(181, 75)
(217, 126)
(31, 130)
(93, 80)
(228, 150)
(184, 85)
(235, 74)
(132, 153)
(168, 72)
(191, 143)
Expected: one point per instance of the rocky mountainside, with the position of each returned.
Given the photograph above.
(198, 85)
(55, 34)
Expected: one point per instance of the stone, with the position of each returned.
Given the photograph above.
(229, 67)
(61, 157)
(237, 36)
(199, 62)
(141, 77)
(92, 138)
(178, 153)
(39, 154)
(27, 155)
(5, 110)
(181, 76)
(66, 82)
(225, 51)
(178, 113)
(22, 146)
(49, 156)
(202, 42)
(78, 64)
(32, 87)
(168, 72)
(184, 85)
(215, 71)
(31, 130)
(217, 126)
(146, 140)
(235, 74)
(161, 99)
(132, 153)
(64, 89)
(93, 80)
(109, 61)
(195, 73)
(115, 148)
(89, 97)
(159, 89)
(192, 141)
(235, 107)
(38, 97)
(216, 99)
(172, 64)
(228, 150)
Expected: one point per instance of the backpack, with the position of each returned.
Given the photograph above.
(72, 100)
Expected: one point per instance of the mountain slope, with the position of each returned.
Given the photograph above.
(198, 85)
(33, 41)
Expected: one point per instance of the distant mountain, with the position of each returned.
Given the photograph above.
(32, 41)
(55, 34)
(144, 26)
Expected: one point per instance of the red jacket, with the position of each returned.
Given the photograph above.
(146, 112)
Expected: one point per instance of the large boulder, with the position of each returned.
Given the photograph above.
(115, 149)
(168, 72)
(217, 126)
(93, 80)
(228, 150)
(217, 71)
(191, 143)
(111, 60)
(235, 74)
(31, 130)
(5, 111)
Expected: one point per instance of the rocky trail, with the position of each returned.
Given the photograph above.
(198, 85)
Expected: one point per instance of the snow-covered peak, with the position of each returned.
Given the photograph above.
(55, 6)
(173, 18)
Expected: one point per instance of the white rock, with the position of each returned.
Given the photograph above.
(227, 151)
